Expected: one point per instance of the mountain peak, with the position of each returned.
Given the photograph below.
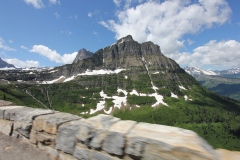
(82, 54)
(124, 39)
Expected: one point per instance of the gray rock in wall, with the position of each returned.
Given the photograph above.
(23, 119)
(115, 139)
(94, 130)
(81, 152)
(66, 136)
(50, 123)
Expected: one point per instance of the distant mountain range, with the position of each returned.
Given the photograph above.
(229, 73)
(4, 64)
(223, 82)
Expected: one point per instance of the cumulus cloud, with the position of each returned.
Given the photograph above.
(53, 55)
(22, 64)
(36, 3)
(4, 46)
(225, 54)
(166, 23)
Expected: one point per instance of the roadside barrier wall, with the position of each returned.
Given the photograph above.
(69, 137)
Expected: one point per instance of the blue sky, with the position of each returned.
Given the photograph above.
(201, 33)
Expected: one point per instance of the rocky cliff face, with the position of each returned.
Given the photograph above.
(82, 54)
(125, 54)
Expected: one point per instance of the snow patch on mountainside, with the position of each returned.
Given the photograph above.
(183, 88)
(94, 72)
(7, 68)
(134, 92)
(100, 106)
(69, 79)
(60, 79)
(159, 99)
(120, 101)
(174, 95)
(101, 71)
(109, 111)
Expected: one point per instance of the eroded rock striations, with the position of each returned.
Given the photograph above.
(65, 136)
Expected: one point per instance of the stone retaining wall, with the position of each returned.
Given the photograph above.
(69, 137)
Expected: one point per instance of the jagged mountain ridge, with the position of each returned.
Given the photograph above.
(125, 54)
(228, 73)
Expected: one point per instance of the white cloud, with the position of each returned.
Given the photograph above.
(54, 1)
(4, 46)
(57, 15)
(36, 3)
(224, 54)
(90, 14)
(117, 2)
(24, 47)
(53, 55)
(21, 64)
(166, 23)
